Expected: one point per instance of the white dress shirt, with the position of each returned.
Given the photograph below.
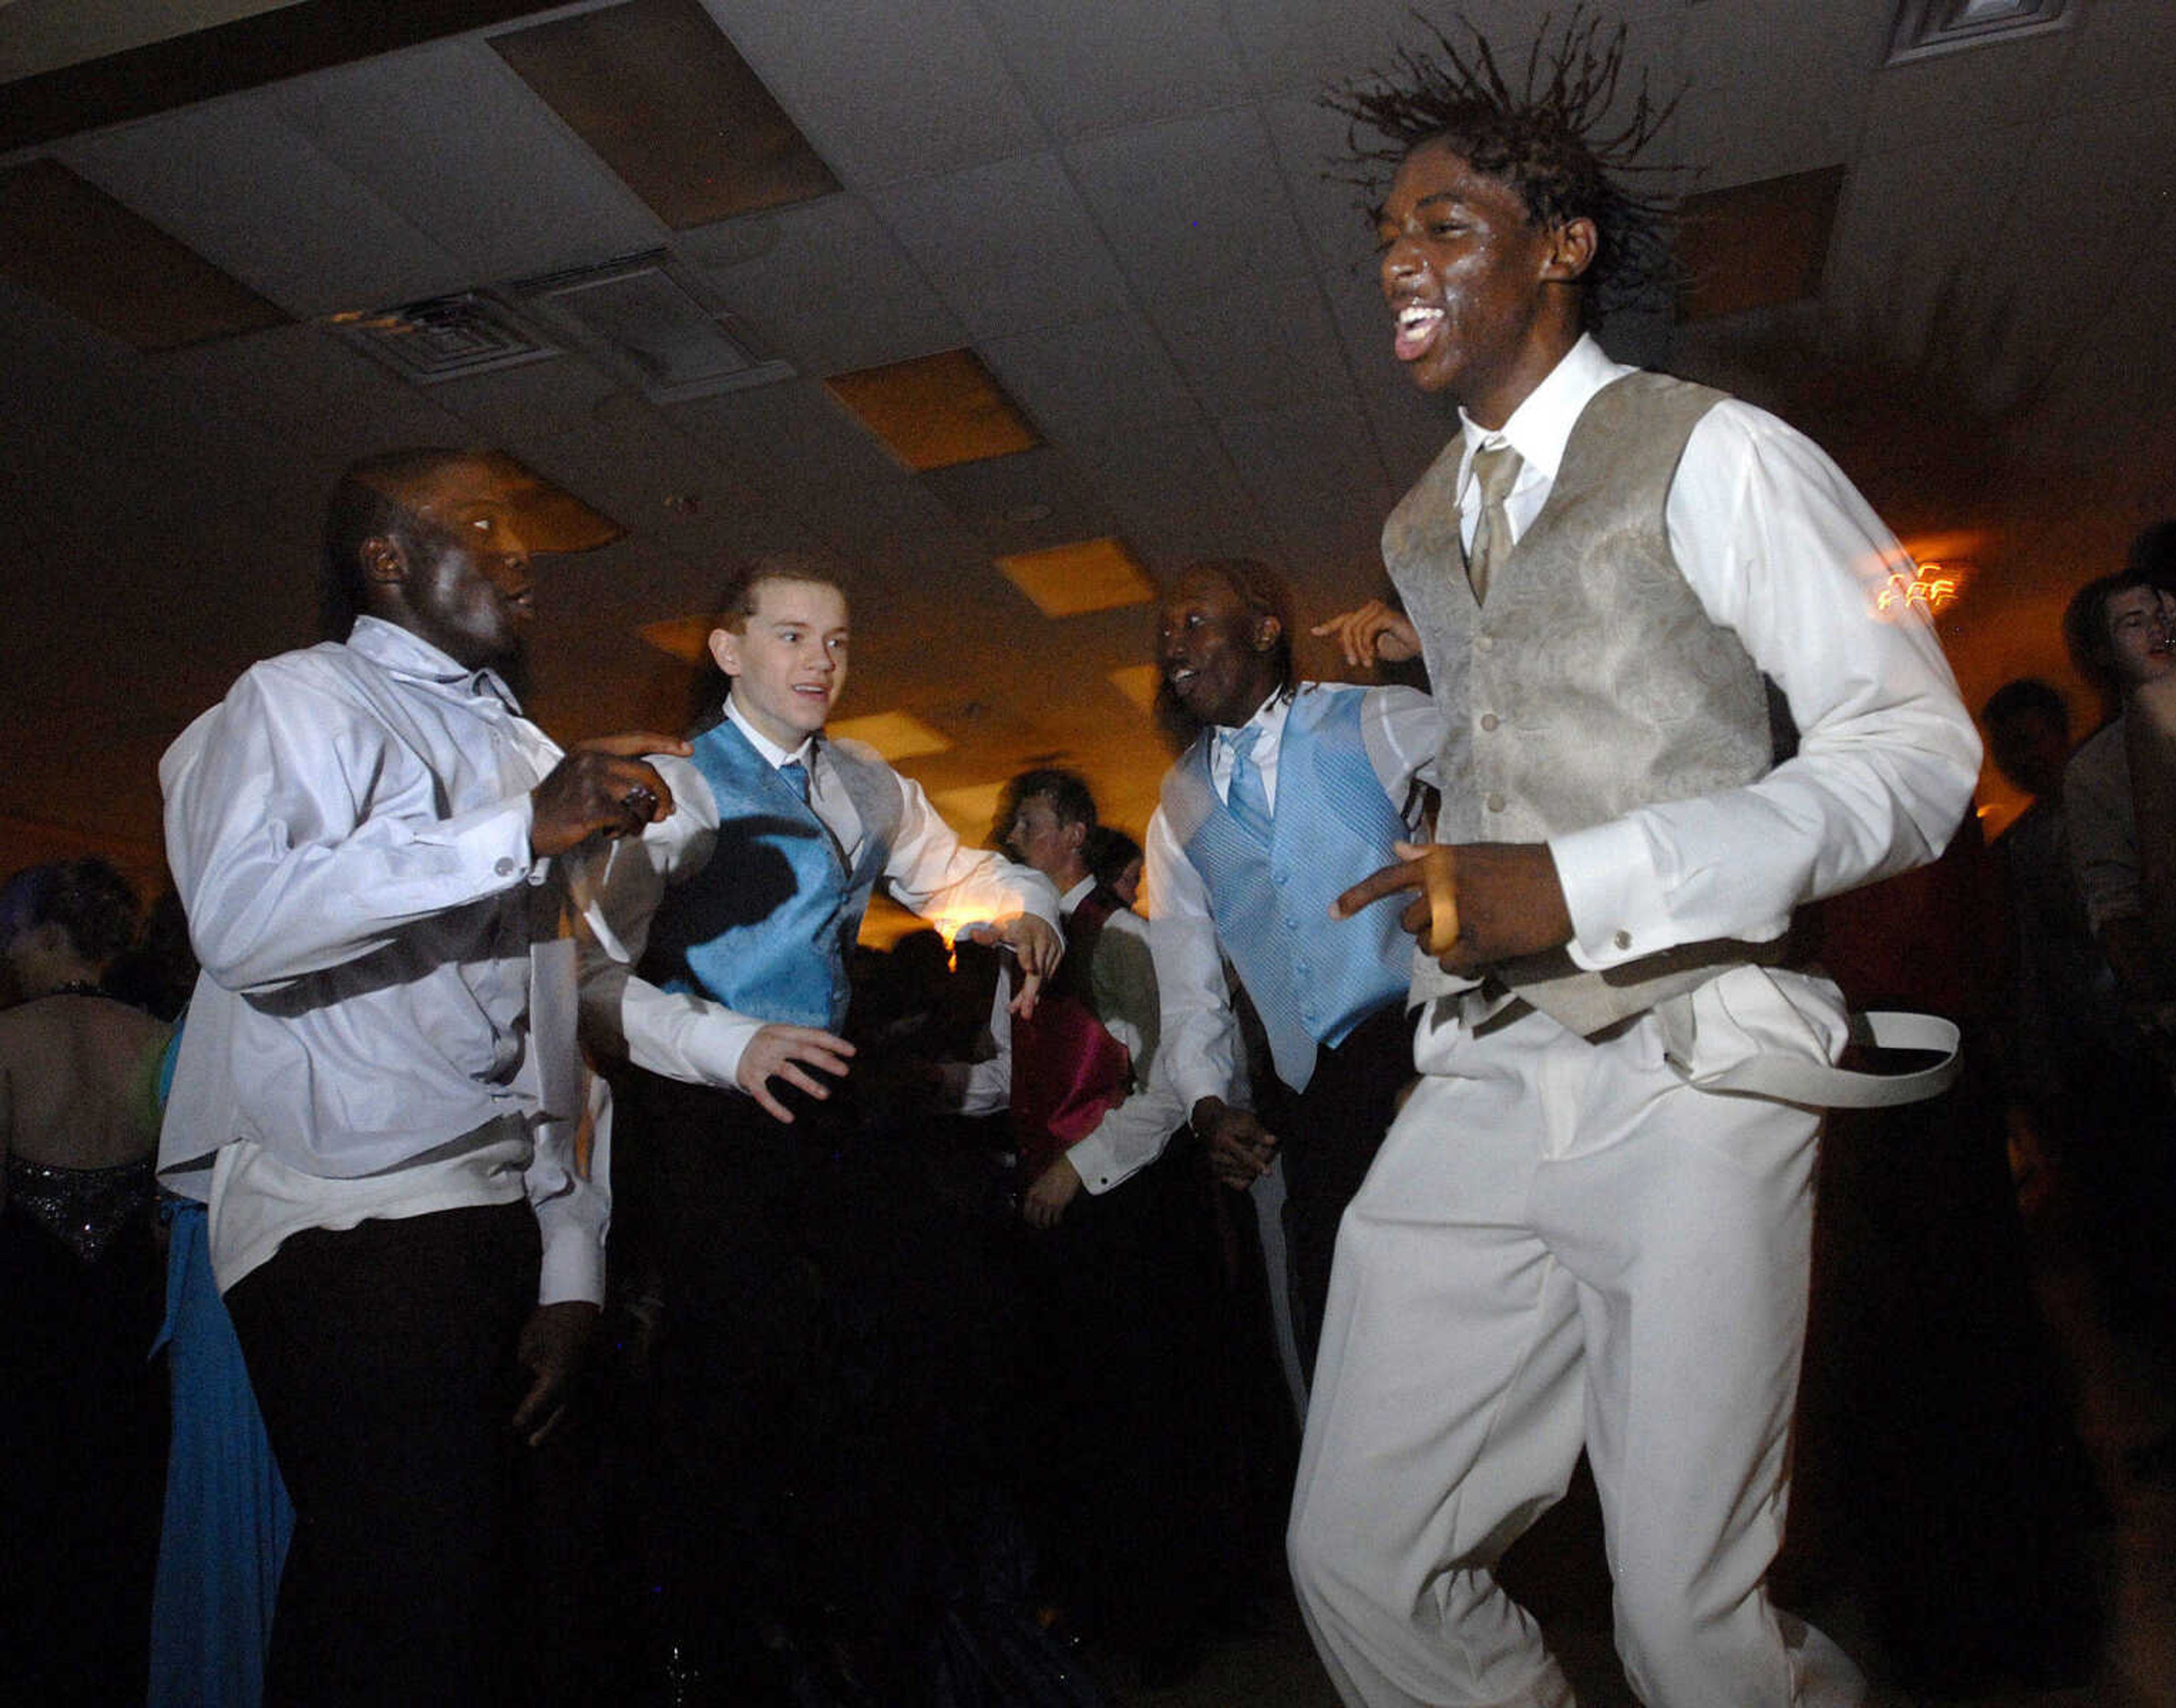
(691, 1038)
(1200, 1051)
(1780, 549)
(384, 1021)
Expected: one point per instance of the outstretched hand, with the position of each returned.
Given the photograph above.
(1373, 633)
(787, 1052)
(603, 785)
(1035, 944)
(1472, 904)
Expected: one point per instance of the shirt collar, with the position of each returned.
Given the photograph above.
(768, 749)
(1269, 717)
(1541, 426)
(407, 654)
(1077, 894)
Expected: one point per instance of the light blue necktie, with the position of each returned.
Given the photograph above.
(797, 777)
(1244, 793)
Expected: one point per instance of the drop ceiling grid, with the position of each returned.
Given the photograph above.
(769, 268)
(466, 152)
(233, 181)
(885, 92)
(1092, 378)
(1090, 70)
(1190, 203)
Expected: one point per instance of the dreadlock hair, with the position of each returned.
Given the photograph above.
(1549, 134)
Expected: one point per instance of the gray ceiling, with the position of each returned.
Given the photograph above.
(1120, 205)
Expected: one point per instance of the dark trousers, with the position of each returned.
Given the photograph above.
(1330, 1133)
(1129, 1401)
(811, 1409)
(383, 1359)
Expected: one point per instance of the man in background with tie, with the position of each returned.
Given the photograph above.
(1565, 1241)
(1287, 792)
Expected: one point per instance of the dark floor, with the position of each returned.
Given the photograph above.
(2123, 1392)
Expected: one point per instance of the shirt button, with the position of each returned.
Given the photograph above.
(1494, 803)
(1283, 877)
(1483, 643)
(1489, 721)
(1623, 939)
(504, 867)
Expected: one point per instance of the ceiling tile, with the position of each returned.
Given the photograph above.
(1924, 101)
(2122, 55)
(1803, 68)
(1080, 576)
(1009, 247)
(933, 411)
(464, 151)
(669, 105)
(824, 286)
(81, 250)
(1311, 146)
(1081, 381)
(1119, 62)
(1021, 503)
(307, 389)
(785, 440)
(1176, 495)
(252, 195)
(1253, 345)
(1190, 204)
(1311, 470)
(886, 91)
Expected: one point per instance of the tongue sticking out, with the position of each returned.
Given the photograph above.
(1417, 330)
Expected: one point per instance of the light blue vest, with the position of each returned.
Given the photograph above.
(1311, 978)
(766, 926)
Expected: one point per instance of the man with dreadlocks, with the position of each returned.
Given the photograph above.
(1570, 1238)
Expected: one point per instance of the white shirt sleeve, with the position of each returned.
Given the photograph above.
(1403, 730)
(1132, 1134)
(1781, 550)
(932, 872)
(282, 874)
(1200, 1047)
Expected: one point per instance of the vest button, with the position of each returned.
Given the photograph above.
(1494, 803)
(504, 867)
(1623, 939)
(1483, 643)
(1489, 721)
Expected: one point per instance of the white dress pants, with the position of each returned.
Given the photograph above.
(1561, 1244)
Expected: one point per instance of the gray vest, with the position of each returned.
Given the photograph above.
(1592, 683)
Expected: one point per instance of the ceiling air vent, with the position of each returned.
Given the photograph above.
(650, 322)
(445, 338)
(1925, 27)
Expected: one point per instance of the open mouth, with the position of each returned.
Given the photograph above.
(1418, 326)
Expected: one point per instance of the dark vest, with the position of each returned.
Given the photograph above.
(1068, 1071)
